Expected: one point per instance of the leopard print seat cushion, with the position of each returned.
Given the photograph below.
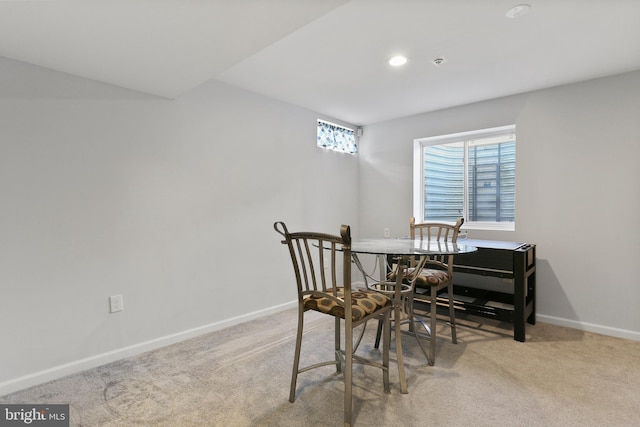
(363, 303)
(429, 277)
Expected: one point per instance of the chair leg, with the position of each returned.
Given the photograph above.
(296, 357)
(337, 345)
(399, 353)
(386, 344)
(432, 338)
(377, 343)
(413, 319)
(348, 372)
(452, 314)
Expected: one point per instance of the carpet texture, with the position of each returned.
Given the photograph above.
(240, 376)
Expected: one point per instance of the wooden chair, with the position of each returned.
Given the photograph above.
(437, 274)
(318, 259)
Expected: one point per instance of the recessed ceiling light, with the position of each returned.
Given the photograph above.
(518, 11)
(397, 61)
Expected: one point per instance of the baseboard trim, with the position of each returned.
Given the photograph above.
(56, 372)
(589, 327)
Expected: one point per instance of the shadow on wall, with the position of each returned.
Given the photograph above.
(551, 298)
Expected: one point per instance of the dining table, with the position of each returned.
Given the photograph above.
(403, 251)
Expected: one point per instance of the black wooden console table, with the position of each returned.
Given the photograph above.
(515, 262)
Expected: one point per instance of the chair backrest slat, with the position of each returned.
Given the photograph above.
(436, 231)
(317, 265)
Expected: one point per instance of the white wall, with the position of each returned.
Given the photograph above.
(169, 203)
(577, 194)
(106, 191)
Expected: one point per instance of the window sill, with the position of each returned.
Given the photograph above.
(490, 226)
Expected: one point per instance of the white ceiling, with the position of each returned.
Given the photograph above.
(329, 55)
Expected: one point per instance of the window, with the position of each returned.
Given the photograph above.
(470, 174)
(336, 137)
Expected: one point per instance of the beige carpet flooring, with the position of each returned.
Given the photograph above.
(240, 377)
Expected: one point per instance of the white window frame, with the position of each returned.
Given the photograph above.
(418, 174)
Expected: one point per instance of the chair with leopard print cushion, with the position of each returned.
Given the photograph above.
(436, 275)
(322, 267)
(425, 282)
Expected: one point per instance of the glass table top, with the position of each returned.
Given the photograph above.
(409, 247)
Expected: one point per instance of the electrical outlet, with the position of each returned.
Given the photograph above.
(387, 232)
(116, 303)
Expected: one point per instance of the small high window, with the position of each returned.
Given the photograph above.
(336, 137)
